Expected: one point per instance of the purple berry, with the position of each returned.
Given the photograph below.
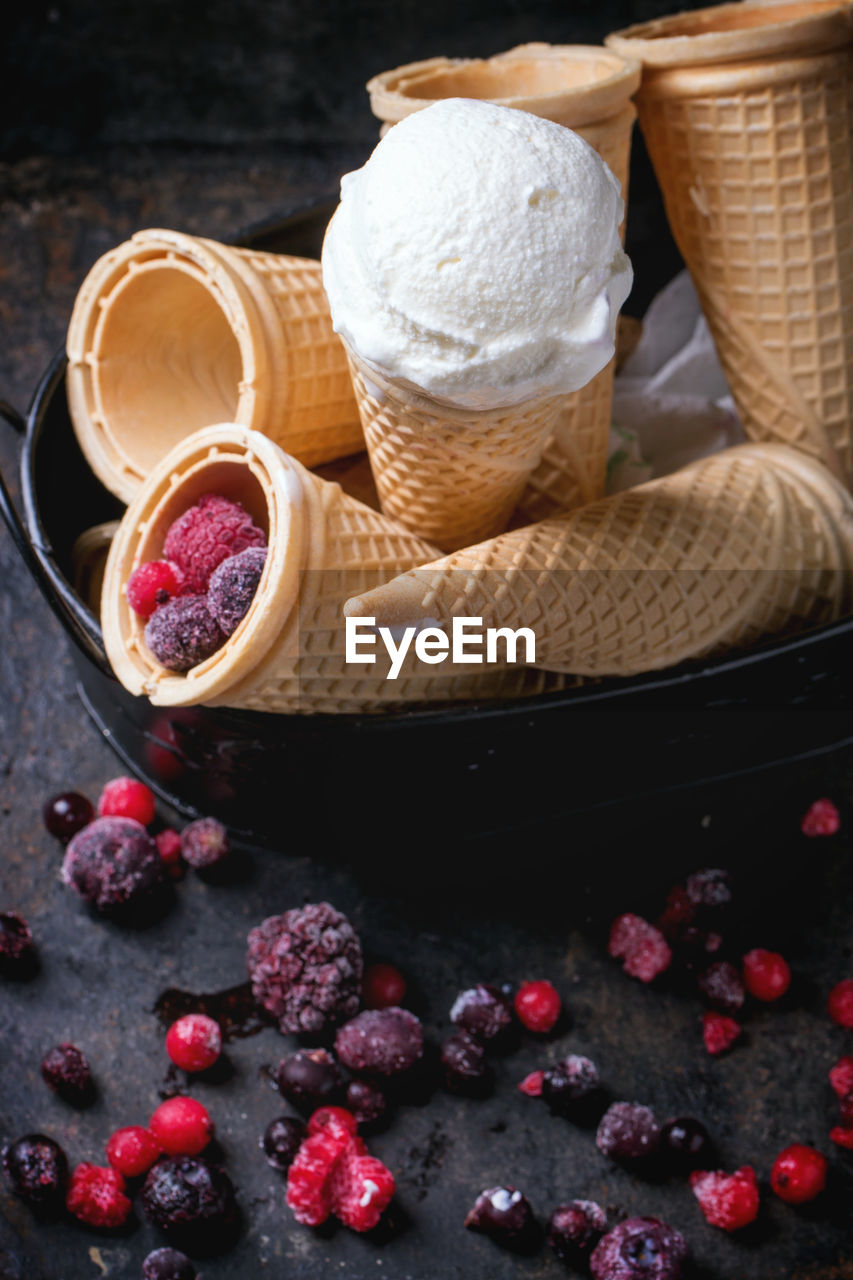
(721, 986)
(570, 1083)
(483, 1011)
(67, 814)
(628, 1131)
(685, 1142)
(575, 1229)
(113, 864)
(17, 952)
(640, 1249)
(37, 1170)
(710, 888)
(366, 1101)
(192, 1201)
(281, 1141)
(310, 1078)
(305, 967)
(204, 844)
(182, 633)
(505, 1216)
(463, 1061)
(381, 1042)
(65, 1070)
(232, 587)
(168, 1264)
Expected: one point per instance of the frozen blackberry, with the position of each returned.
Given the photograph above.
(310, 1078)
(113, 864)
(685, 1142)
(37, 1170)
(366, 1101)
(628, 1132)
(65, 1070)
(505, 1216)
(183, 633)
(721, 986)
(168, 1264)
(232, 587)
(281, 1141)
(305, 967)
(381, 1042)
(17, 952)
(463, 1062)
(575, 1229)
(192, 1201)
(570, 1086)
(640, 1249)
(204, 844)
(483, 1011)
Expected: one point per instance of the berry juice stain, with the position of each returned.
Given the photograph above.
(235, 1009)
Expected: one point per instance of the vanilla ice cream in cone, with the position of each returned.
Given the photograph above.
(475, 271)
(170, 333)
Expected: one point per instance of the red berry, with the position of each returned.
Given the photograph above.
(537, 1005)
(822, 819)
(132, 1150)
(127, 798)
(719, 1032)
(310, 1173)
(152, 584)
(840, 1003)
(361, 1188)
(642, 947)
(67, 814)
(337, 1119)
(766, 974)
(842, 1137)
(96, 1196)
(181, 1126)
(728, 1200)
(194, 1043)
(382, 987)
(168, 844)
(798, 1174)
(841, 1077)
(532, 1084)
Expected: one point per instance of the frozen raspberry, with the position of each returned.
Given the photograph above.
(168, 844)
(181, 1126)
(721, 986)
(309, 1078)
(640, 1249)
(66, 814)
(310, 1174)
(192, 1201)
(381, 1042)
(531, 1085)
(361, 1188)
(382, 986)
(766, 974)
(719, 1032)
(205, 844)
(66, 1071)
(132, 1151)
(505, 1216)
(822, 819)
(113, 864)
(96, 1196)
(685, 1142)
(168, 1264)
(628, 1132)
(305, 967)
(841, 1077)
(642, 947)
(575, 1229)
(537, 1006)
(208, 533)
(152, 584)
(37, 1170)
(570, 1084)
(17, 951)
(337, 1119)
(183, 633)
(194, 1042)
(842, 1136)
(840, 1003)
(127, 798)
(366, 1101)
(463, 1062)
(232, 587)
(281, 1141)
(483, 1011)
(798, 1174)
(728, 1200)
(710, 888)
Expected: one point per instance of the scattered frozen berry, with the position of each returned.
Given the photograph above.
(366, 1101)
(113, 864)
(798, 1174)
(483, 1011)
(338, 1120)
(132, 1151)
(464, 1065)
(182, 1126)
(194, 1042)
(17, 950)
(182, 633)
(281, 1141)
(67, 814)
(846, 1111)
(685, 1142)
(842, 1136)
(840, 1003)
(192, 1201)
(531, 1085)
(505, 1216)
(208, 533)
(575, 1229)
(569, 1084)
(305, 967)
(205, 844)
(309, 1078)
(710, 888)
(37, 1170)
(127, 798)
(381, 1042)
(640, 1249)
(382, 986)
(310, 1174)
(721, 986)
(537, 1006)
(821, 819)
(766, 974)
(841, 1077)
(643, 949)
(719, 1032)
(96, 1196)
(65, 1070)
(232, 587)
(168, 1264)
(628, 1132)
(168, 844)
(677, 914)
(152, 584)
(361, 1188)
(728, 1200)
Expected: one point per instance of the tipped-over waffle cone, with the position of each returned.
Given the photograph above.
(171, 333)
(750, 541)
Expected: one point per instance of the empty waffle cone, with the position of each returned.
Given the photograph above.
(288, 653)
(750, 541)
(747, 112)
(171, 333)
(588, 89)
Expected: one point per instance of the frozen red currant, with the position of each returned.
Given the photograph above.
(766, 974)
(127, 798)
(132, 1150)
(382, 986)
(822, 819)
(181, 1126)
(194, 1042)
(537, 1005)
(840, 1003)
(153, 583)
(168, 844)
(798, 1174)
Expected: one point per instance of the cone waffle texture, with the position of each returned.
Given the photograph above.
(750, 541)
(451, 475)
(170, 333)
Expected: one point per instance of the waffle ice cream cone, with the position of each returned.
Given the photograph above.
(288, 653)
(170, 333)
(751, 541)
(587, 89)
(89, 560)
(747, 112)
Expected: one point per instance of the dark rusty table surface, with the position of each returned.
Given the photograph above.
(522, 912)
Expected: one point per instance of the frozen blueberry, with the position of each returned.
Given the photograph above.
(65, 1070)
(366, 1101)
(182, 633)
(37, 1170)
(382, 1042)
(310, 1078)
(192, 1201)
(232, 587)
(281, 1141)
(505, 1216)
(17, 952)
(113, 864)
(575, 1229)
(483, 1011)
(204, 844)
(640, 1249)
(721, 986)
(168, 1264)
(463, 1061)
(628, 1131)
(569, 1086)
